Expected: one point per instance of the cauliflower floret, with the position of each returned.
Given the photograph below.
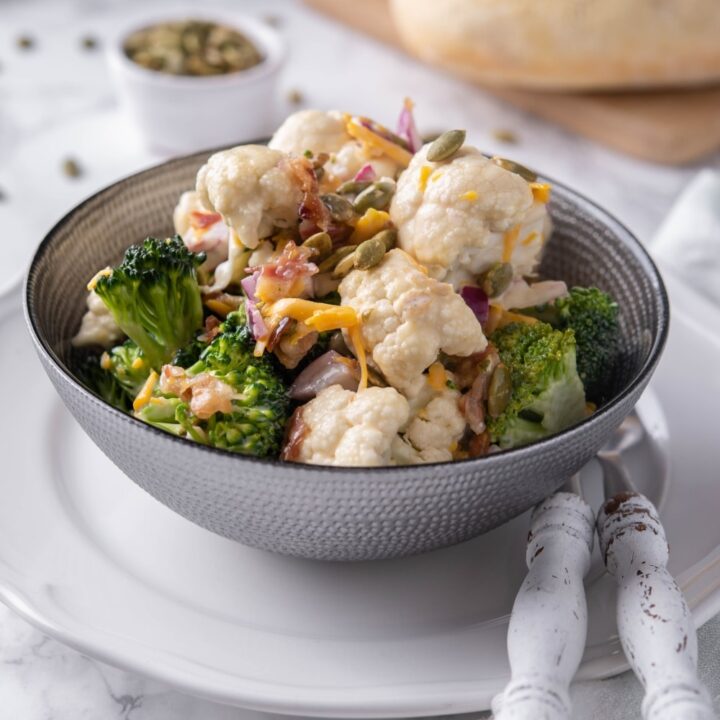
(433, 433)
(201, 229)
(97, 326)
(324, 132)
(255, 190)
(458, 217)
(408, 318)
(342, 427)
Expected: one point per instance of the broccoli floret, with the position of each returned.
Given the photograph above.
(190, 354)
(259, 411)
(127, 364)
(547, 394)
(154, 297)
(103, 383)
(593, 316)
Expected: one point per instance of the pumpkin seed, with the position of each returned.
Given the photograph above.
(71, 168)
(344, 266)
(25, 42)
(321, 245)
(517, 168)
(353, 187)
(295, 97)
(388, 237)
(89, 43)
(341, 209)
(377, 196)
(369, 253)
(497, 279)
(505, 136)
(446, 145)
(499, 391)
(329, 263)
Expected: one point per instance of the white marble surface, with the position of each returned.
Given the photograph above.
(47, 93)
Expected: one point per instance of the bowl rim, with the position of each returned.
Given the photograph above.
(487, 461)
(266, 38)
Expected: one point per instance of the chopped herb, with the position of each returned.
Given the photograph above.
(308, 154)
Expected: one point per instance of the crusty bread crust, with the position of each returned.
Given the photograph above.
(567, 44)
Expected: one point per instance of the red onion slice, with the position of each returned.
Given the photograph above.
(477, 301)
(255, 319)
(406, 127)
(365, 174)
(330, 368)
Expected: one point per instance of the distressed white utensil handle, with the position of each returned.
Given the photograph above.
(654, 623)
(546, 637)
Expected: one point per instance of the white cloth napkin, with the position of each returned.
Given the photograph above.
(688, 241)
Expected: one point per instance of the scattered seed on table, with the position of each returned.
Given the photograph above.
(505, 136)
(71, 168)
(25, 42)
(89, 43)
(295, 97)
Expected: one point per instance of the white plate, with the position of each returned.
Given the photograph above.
(92, 560)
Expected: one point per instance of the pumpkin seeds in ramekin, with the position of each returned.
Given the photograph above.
(192, 47)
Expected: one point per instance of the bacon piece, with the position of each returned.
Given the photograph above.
(312, 210)
(288, 275)
(295, 433)
(204, 393)
(202, 220)
(212, 329)
(472, 403)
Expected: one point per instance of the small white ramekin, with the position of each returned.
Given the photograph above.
(181, 114)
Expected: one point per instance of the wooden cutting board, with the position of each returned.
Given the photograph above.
(670, 126)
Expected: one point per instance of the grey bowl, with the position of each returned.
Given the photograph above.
(322, 512)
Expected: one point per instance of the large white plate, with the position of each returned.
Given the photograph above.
(92, 560)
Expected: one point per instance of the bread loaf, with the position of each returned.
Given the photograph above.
(567, 44)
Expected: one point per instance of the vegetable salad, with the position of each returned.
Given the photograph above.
(348, 295)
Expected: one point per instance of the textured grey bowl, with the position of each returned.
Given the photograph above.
(320, 512)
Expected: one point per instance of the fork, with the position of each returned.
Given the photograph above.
(548, 625)
(654, 623)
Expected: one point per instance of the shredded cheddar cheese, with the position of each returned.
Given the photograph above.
(470, 195)
(541, 191)
(436, 176)
(507, 317)
(437, 377)
(425, 172)
(143, 397)
(105, 361)
(367, 136)
(371, 223)
(529, 239)
(356, 339)
(137, 363)
(509, 240)
(100, 273)
(321, 317)
(219, 307)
